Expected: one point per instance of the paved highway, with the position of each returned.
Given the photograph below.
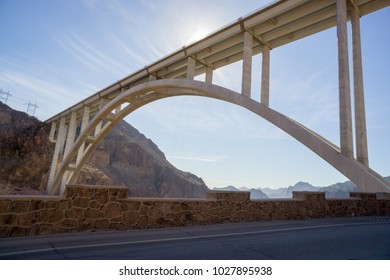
(332, 238)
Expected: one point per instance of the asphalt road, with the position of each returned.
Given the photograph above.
(317, 239)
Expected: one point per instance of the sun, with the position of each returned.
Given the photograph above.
(198, 33)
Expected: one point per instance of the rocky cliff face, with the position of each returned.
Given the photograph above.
(129, 158)
(25, 152)
(125, 157)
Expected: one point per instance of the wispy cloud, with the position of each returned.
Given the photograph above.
(91, 56)
(44, 82)
(47, 94)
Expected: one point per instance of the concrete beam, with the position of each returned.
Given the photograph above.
(265, 69)
(69, 143)
(247, 65)
(346, 144)
(360, 114)
(84, 124)
(209, 75)
(59, 143)
(191, 68)
(52, 131)
(71, 133)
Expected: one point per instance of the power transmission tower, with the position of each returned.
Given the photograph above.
(31, 108)
(7, 94)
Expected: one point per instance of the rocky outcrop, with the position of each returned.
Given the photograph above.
(130, 159)
(125, 158)
(25, 151)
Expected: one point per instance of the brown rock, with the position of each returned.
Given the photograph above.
(102, 198)
(8, 219)
(20, 206)
(64, 205)
(53, 204)
(56, 216)
(94, 205)
(101, 224)
(44, 216)
(45, 229)
(68, 223)
(84, 225)
(127, 205)
(131, 218)
(76, 213)
(81, 202)
(18, 231)
(5, 206)
(113, 210)
(93, 214)
(154, 212)
(4, 231)
(33, 230)
(26, 151)
(37, 205)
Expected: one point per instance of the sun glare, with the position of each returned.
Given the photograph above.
(198, 33)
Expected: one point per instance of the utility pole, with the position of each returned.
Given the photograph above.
(7, 94)
(31, 108)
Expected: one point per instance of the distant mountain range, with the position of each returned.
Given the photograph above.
(338, 190)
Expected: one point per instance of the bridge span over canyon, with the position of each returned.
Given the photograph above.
(275, 25)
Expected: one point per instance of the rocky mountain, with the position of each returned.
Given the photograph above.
(287, 192)
(125, 157)
(25, 152)
(255, 193)
(128, 158)
(338, 190)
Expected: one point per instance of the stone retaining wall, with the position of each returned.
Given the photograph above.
(108, 208)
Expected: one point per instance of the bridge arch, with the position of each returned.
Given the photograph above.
(143, 94)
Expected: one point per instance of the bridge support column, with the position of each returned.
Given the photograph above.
(84, 123)
(247, 65)
(191, 68)
(69, 142)
(360, 114)
(265, 76)
(100, 124)
(52, 131)
(346, 144)
(209, 75)
(59, 144)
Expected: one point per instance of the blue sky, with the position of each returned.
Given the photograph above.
(57, 52)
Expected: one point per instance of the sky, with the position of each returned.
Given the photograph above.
(54, 53)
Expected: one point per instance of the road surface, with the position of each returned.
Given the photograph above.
(317, 239)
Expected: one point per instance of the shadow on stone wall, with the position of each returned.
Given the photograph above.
(85, 208)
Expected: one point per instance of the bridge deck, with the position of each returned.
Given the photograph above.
(275, 25)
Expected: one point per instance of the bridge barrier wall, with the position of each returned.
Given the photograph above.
(90, 208)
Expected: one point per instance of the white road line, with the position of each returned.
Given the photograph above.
(183, 238)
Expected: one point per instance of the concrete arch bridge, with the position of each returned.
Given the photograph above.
(275, 25)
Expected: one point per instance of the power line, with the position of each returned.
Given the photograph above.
(7, 94)
(31, 108)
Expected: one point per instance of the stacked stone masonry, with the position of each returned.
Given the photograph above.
(86, 208)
